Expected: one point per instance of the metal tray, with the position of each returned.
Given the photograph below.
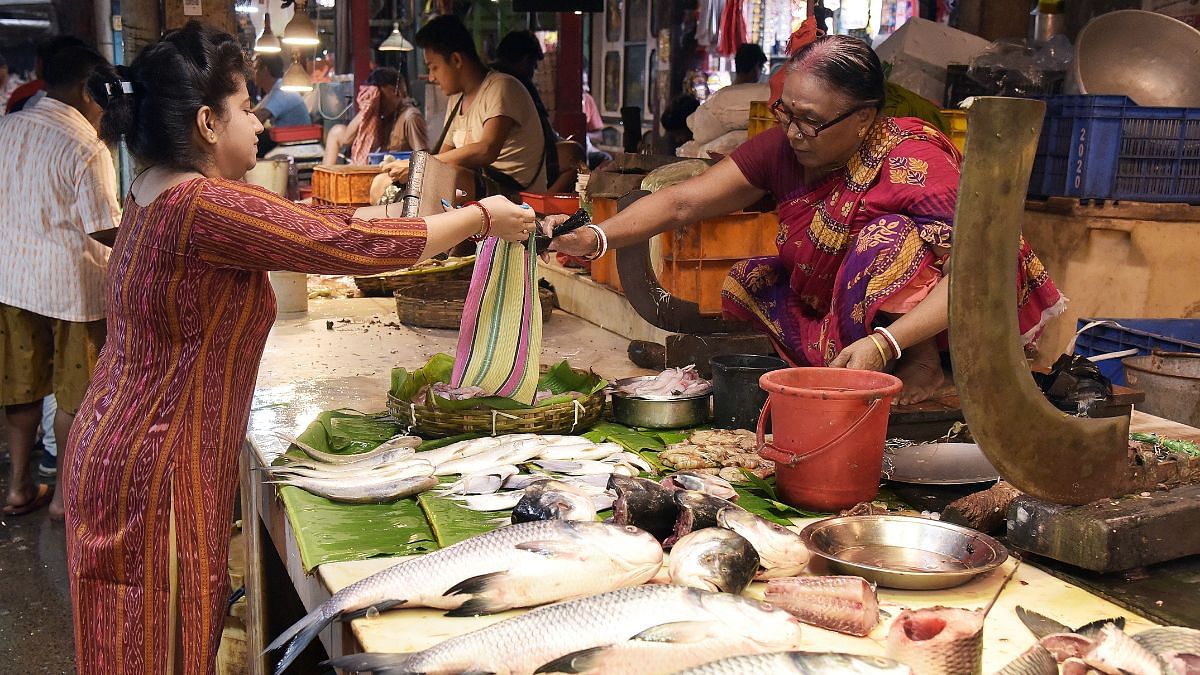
(903, 551)
(941, 464)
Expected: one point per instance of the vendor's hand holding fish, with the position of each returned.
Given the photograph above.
(509, 221)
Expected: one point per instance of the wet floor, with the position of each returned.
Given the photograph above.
(35, 600)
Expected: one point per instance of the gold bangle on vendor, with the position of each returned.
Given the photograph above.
(882, 354)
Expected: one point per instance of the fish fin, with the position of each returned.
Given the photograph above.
(372, 662)
(1092, 629)
(378, 607)
(476, 606)
(550, 548)
(1040, 625)
(474, 585)
(678, 632)
(477, 587)
(298, 636)
(575, 662)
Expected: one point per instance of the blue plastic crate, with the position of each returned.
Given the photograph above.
(378, 157)
(1145, 335)
(1106, 147)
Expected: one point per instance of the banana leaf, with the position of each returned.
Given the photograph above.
(328, 531)
(560, 380)
(451, 522)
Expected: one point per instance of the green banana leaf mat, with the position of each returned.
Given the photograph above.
(329, 531)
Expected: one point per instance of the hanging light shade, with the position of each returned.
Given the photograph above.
(395, 42)
(296, 78)
(267, 42)
(300, 31)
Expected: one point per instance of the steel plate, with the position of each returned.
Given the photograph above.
(940, 464)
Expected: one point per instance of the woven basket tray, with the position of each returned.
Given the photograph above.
(561, 418)
(439, 304)
(383, 285)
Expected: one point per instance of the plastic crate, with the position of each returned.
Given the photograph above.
(549, 205)
(343, 185)
(1145, 335)
(957, 120)
(1106, 147)
(378, 157)
(296, 134)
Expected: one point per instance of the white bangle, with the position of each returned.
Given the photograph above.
(601, 241)
(891, 340)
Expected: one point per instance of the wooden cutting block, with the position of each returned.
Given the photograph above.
(1110, 535)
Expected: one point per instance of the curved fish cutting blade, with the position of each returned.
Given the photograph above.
(1040, 450)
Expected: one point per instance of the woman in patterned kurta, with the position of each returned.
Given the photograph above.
(150, 471)
(866, 209)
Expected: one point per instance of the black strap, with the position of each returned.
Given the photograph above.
(437, 147)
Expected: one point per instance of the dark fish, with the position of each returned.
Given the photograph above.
(714, 559)
(938, 641)
(1035, 661)
(643, 503)
(697, 511)
(844, 604)
(553, 500)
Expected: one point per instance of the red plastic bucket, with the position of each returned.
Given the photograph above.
(830, 425)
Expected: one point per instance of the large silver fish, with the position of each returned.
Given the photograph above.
(803, 663)
(517, 566)
(358, 491)
(522, 644)
(669, 647)
(713, 559)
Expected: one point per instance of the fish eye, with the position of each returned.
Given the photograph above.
(631, 529)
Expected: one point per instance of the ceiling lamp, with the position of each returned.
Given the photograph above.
(296, 78)
(300, 31)
(396, 42)
(267, 42)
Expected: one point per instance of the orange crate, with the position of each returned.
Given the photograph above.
(549, 205)
(343, 184)
(699, 281)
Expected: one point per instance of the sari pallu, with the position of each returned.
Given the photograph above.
(863, 241)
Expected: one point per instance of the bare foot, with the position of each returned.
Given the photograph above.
(57, 510)
(920, 369)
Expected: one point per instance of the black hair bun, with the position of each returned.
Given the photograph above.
(111, 90)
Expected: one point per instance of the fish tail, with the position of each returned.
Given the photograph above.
(299, 635)
(373, 662)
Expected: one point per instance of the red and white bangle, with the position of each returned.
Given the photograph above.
(891, 339)
(601, 242)
(486, 219)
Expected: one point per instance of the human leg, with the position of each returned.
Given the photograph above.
(23, 491)
(76, 349)
(26, 349)
(334, 140)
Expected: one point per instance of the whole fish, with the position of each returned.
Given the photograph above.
(644, 503)
(713, 559)
(781, 552)
(938, 640)
(804, 663)
(1034, 661)
(520, 481)
(461, 449)
(515, 566)
(843, 604)
(386, 458)
(603, 501)
(400, 469)
(553, 500)
(709, 485)
(351, 491)
(696, 512)
(524, 643)
(499, 501)
(669, 647)
(586, 467)
(483, 483)
(407, 441)
(334, 458)
(585, 450)
(512, 452)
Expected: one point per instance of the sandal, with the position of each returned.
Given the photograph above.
(42, 498)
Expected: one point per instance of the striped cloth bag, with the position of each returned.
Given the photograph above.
(499, 343)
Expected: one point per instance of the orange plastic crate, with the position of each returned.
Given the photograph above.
(549, 205)
(343, 184)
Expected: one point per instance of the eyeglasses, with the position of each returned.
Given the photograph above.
(808, 129)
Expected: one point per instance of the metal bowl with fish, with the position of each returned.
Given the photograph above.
(657, 411)
(903, 551)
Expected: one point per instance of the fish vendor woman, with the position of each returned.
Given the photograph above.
(866, 211)
(150, 471)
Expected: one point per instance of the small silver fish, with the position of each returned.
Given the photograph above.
(510, 452)
(713, 559)
(802, 663)
(352, 458)
(515, 566)
(499, 501)
(483, 483)
(359, 492)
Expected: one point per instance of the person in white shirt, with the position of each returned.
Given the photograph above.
(720, 123)
(60, 185)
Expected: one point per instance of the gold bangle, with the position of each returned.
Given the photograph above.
(882, 354)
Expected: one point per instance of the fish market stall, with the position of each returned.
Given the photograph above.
(340, 357)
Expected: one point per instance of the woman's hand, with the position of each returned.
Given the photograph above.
(510, 222)
(580, 243)
(862, 355)
(397, 169)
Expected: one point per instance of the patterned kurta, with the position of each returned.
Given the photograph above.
(189, 309)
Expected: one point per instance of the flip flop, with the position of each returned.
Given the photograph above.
(44, 494)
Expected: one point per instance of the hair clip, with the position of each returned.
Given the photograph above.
(122, 87)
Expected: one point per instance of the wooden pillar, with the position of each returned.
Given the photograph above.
(569, 119)
(216, 13)
(360, 30)
(141, 24)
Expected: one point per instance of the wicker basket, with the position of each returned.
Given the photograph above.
(574, 417)
(384, 285)
(439, 304)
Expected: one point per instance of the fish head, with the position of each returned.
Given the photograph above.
(776, 545)
(713, 559)
(629, 548)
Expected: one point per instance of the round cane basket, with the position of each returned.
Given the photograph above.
(573, 417)
(383, 285)
(439, 304)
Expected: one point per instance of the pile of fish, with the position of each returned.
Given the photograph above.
(722, 452)
(1104, 647)
(389, 472)
(671, 383)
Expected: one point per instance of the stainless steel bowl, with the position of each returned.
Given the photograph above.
(658, 412)
(903, 551)
(1149, 57)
